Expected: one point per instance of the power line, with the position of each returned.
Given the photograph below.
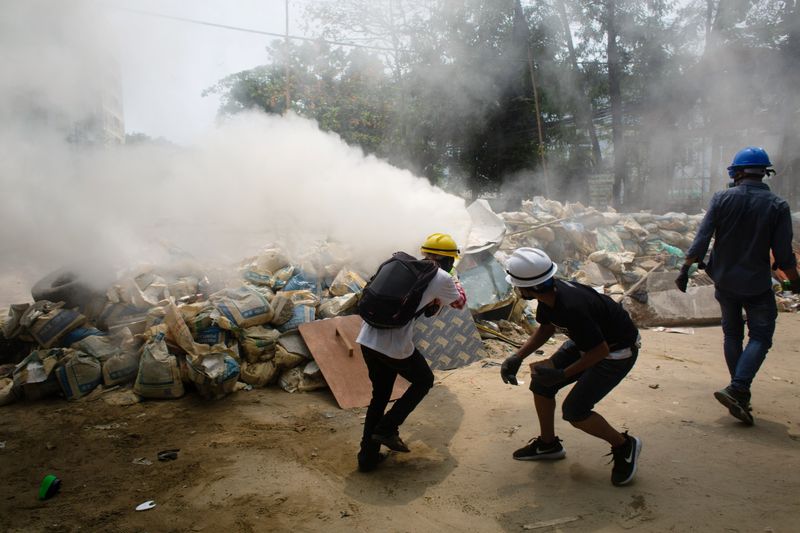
(251, 30)
(296, 37)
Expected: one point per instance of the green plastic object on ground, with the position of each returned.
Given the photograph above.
(49, 487)
(676, 255)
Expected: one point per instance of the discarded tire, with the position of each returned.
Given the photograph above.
(64, 285)
(12, 351)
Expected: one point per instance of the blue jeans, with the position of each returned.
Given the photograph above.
(743, 364)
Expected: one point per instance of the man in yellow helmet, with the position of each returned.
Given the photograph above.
(441, 247)
(389, 352)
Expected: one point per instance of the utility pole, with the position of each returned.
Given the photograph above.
(521, 17)
(584, 107)
(615, 95)
(286, 63)
(539, 124)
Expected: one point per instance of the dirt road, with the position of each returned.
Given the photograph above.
(265, 460)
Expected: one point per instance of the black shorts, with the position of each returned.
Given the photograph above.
(591, 385)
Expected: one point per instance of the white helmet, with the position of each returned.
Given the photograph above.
(528, 267)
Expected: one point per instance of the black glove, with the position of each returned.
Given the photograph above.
(548, 376)
(509, 369)
(431, 310)
(683, 278)
(795, 286)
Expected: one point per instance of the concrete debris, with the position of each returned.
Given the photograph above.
(683, 331)
(160, 332)
(550, 523)
(613, 251)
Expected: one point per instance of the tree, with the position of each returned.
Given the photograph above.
(504, 140)
(790, 102)
(345, 92)
(463, 97)
(641, 90)
(583, 109)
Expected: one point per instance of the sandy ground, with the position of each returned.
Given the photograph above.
(266, 460)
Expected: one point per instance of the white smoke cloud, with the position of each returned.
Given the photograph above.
(245, 183)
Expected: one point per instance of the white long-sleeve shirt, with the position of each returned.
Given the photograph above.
(398, 343)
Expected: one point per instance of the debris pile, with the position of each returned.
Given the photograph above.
(617, 252)
(165, 331)
(601, 248)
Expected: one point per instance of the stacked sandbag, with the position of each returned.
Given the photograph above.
(338, 306)
(101, 346)
(283, 309)
(262, 270)
(183, 288)
(303, 378)
(258, 343)
(347, 282)
(78, 374)
(50, 323)
(159, 376)
(237, 309)
(259, 374)
(200, 317)
(130, 299)
(214, 374)
(35, 375)
(161, 333)
(122, 367)
(8, 392)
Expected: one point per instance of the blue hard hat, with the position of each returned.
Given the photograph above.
(750, 157)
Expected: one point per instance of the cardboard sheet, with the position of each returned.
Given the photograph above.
(332, 343)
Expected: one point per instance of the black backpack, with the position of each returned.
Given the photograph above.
(391, 297)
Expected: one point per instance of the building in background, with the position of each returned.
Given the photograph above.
(104, 120)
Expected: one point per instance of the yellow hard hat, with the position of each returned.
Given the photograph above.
(440, 244)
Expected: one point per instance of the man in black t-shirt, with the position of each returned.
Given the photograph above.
(602, 348)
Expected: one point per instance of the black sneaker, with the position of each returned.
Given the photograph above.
(737, 402)
(366, 464)
(537, 449)
(393, 442)
(625, 459)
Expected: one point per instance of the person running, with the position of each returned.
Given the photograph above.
(602, 348)
(747, 221)
(389, 352)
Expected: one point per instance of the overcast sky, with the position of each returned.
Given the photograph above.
(166, 64)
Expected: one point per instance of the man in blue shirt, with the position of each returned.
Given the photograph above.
(747, 221)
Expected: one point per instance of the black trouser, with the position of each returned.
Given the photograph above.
(383, 371)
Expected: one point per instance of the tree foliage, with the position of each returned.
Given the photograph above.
(346, 92)
(445, 88)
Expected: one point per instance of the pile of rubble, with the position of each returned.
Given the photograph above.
(162, 332)
(601, 248)
(630, 256)
(166, 332)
